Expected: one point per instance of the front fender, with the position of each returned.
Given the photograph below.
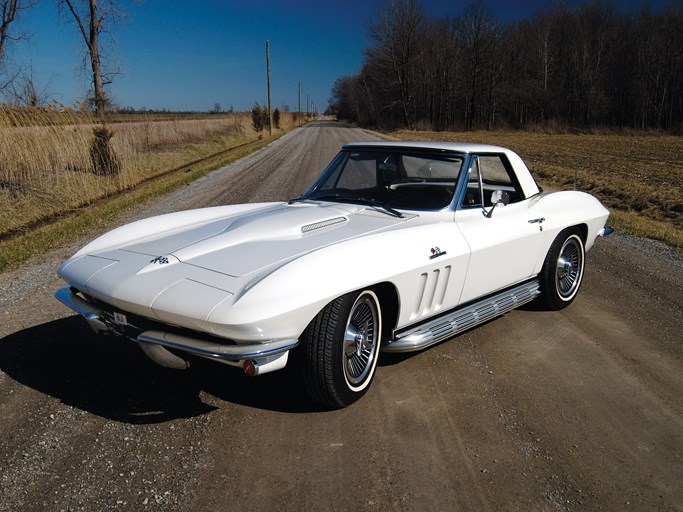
(283, 302)
(570, 208)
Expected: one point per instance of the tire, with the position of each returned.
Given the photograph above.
(341, 348)
(562, 272)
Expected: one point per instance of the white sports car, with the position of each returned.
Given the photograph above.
(395, 247)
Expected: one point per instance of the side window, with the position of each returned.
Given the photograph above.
(495, 175)
(493, 170)
(473, 193)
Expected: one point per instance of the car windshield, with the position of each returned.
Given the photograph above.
(390, 179)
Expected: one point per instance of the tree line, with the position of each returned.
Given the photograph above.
(92, 21)
(580, 67)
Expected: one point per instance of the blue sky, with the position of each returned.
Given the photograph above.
(183, 55)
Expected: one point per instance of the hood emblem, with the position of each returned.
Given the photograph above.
(436, 252)
(161, 260)
(158, 263)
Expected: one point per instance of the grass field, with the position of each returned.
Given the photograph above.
(46, 167)
(638, 177)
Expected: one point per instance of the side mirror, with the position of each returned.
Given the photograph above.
(498, 198)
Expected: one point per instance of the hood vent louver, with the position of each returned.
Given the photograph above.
(322, 224)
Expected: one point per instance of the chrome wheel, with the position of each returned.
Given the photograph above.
(340, 348)
(569, 267)
(562, 271)
(361, 340)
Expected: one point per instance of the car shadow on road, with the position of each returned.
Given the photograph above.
(107, 377)
(280, 391)
(112, 378)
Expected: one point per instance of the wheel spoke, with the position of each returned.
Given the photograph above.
(360, 342)
(569, 266)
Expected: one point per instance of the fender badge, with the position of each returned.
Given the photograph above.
(436, 252)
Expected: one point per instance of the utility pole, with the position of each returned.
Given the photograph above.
(298, 112)
(270, 115)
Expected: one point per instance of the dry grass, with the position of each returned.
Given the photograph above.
(45, 164)
(87, 223)
(638, 177)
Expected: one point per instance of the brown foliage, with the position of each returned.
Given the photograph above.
(104, 160)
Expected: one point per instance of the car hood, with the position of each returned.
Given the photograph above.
(215, 258)
(248, 243)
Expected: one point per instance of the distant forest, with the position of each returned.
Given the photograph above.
(566, 67)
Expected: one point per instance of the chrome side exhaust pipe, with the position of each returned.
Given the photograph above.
(163, 357)
(254, 367)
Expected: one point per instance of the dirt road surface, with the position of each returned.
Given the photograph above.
(580, 409)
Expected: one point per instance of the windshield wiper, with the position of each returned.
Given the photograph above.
(363, 200)
(300, 199)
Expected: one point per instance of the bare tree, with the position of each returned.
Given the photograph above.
(394, 55)
(9, 11)
(93, 21)
(542, 57)
(24, 91)
(660, 65)
(479, 33)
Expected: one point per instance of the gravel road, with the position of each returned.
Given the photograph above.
(573, 410)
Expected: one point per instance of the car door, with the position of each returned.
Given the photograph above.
(504, 243)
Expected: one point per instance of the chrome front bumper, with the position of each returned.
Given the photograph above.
(265, 356)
